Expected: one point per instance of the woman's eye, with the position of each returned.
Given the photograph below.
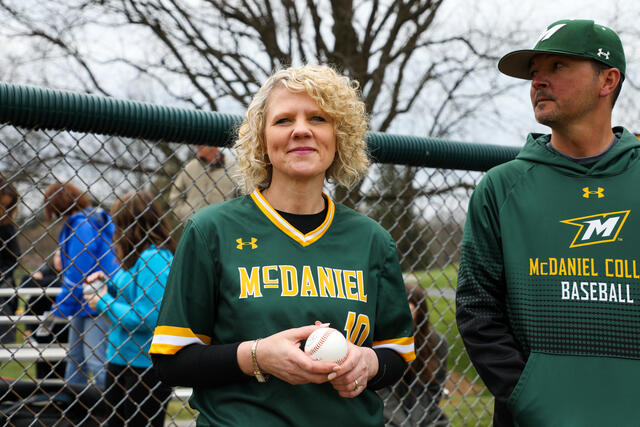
(281, 121)
(318, 119)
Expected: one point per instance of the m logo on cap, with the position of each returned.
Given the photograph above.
(549, 32)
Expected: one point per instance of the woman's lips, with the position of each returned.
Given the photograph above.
(302, 150)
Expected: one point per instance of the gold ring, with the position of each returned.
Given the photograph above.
(357, 385)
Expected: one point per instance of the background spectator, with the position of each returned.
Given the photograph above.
(414, 401)
(85, 247)
(9, 254)
(48, 275)
(131, 299)
(205, 180)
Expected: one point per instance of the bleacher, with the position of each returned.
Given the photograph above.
(30, 351)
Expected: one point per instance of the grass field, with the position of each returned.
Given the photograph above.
(438, 278)
(470, 411)
(16, 370)
(177, 410)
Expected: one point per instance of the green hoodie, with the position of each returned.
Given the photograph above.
(548, 299)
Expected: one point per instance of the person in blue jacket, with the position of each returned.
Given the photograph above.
(85, 247)
(131, 299)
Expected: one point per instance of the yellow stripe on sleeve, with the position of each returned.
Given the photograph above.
(170, 339)
(405, 347)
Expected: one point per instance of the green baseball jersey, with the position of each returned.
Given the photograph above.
(548, 299)
(242, 272)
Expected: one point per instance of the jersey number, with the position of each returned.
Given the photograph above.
(357, 329)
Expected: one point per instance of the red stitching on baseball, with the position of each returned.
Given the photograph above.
(321, 341)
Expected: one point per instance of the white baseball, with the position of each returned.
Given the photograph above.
(327, 344)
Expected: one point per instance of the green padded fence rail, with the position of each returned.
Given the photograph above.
(38, 108)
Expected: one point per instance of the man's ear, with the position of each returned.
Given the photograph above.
(609, 80)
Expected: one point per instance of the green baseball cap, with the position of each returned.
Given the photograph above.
(575, 37)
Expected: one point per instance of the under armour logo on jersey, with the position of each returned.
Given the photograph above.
(549, 32)
(251, 243)
(603, 53)
(586, 192)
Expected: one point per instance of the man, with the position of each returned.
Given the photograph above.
(549, 282)
(204, 181)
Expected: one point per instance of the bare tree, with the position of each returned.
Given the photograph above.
(210, 52)
(214, 54)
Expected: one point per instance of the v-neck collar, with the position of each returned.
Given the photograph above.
(286, 227)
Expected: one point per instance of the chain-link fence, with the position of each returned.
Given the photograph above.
(418, 192)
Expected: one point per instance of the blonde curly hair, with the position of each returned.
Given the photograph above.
(336, 95)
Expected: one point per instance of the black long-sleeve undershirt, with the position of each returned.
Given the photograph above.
(217, 365)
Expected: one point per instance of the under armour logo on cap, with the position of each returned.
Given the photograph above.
(602, 53)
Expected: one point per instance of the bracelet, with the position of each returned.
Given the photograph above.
(256, 369)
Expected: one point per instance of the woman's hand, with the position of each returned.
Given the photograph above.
(350, 378)
(93, 298)
(281, 356)
(98, 275)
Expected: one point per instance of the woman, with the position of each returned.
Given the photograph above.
(9, 254)
(415, 400)
(131, 299)
(85, 247)
(47, 332)
(252, 275)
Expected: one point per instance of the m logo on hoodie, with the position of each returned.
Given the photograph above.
(599, 228)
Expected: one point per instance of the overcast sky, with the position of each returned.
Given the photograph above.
(499, 17)
(534, 16)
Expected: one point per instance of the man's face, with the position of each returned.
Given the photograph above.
(208, 153)
(563, 89)
(5, 200)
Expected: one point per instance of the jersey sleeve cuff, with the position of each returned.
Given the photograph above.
(403, 346)
(171, 339)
